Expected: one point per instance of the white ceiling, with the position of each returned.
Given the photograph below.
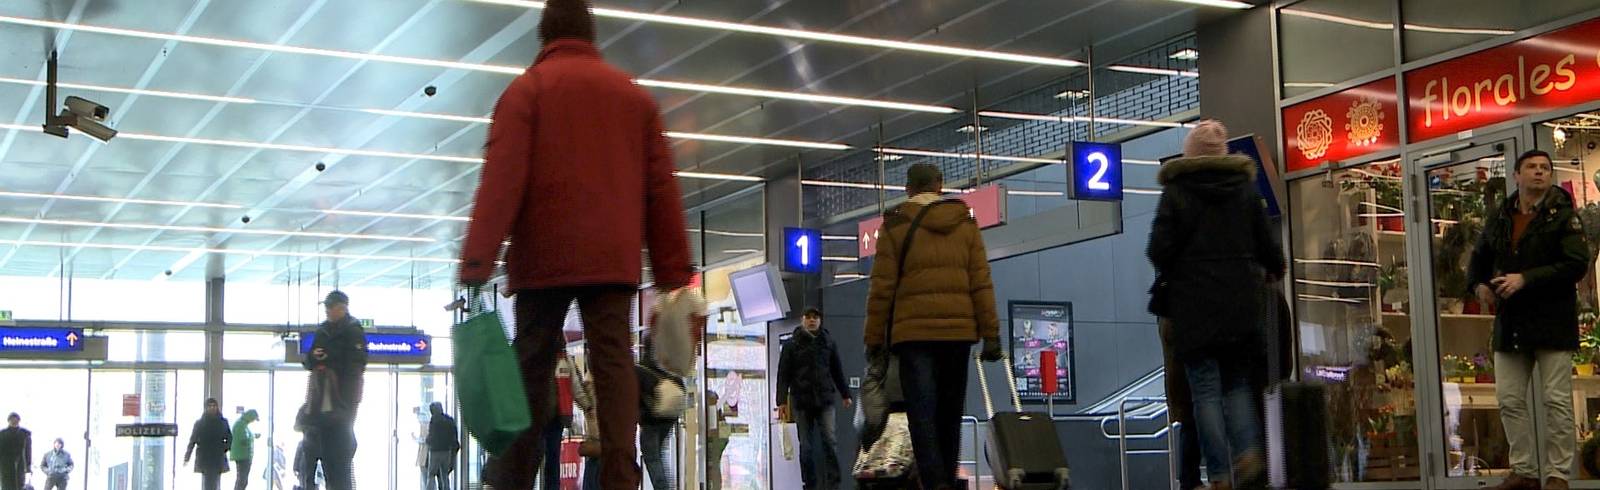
(317, 101)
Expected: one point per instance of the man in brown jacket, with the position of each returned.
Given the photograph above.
(937, 297)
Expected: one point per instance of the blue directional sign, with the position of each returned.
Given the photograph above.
(33, 339)
(802, 250)
(407, 346)
(1095, 173)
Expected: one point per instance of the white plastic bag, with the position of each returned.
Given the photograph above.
(677, 322)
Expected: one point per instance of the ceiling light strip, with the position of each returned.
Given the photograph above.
(120, 90)
(426, 115)
(69, 197)
(940, 154)
(803, 97)
(716, 176)
(210, 229)
(1227, 4)
(271, 146)
(376, 214)
(1154, 71)
(757, 141)
(1068, 119)
(160, 248)
(811, 35)
(507, 70)
(1351, 21)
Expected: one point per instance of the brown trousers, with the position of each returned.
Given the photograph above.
(608, 343)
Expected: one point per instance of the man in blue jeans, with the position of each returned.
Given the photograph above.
(809, 378)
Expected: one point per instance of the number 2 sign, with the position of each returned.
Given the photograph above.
(1095, 172)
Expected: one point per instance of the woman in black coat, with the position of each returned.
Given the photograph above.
(1213, 253)
(213, 437)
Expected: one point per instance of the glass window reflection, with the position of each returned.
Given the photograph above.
(1325, 42)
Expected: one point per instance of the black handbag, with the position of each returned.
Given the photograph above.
(880, 387)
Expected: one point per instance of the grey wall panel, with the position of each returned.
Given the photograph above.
(1082, 273)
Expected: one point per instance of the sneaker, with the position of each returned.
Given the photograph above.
(1555, 483)
(1518, 482)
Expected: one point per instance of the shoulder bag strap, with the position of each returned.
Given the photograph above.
(905, 248)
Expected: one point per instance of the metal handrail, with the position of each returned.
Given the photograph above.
(977, 447)
(1122, 435)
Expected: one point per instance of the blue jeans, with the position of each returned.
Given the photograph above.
(591, 474)
(551, 477)
(933, 376)
(1225, 413)
(653, 444)
(819, 457)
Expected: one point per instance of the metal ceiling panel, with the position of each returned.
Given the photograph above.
(247, 122)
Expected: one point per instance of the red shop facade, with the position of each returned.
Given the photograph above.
(1389, 177)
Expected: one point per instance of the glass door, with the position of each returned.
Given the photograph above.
(1352, 300)
(1460, 191)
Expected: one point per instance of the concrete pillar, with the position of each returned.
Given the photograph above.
(1237, 85)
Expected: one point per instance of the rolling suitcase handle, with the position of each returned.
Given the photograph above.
(1011, 379)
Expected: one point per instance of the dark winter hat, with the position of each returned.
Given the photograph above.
(813, 313)
(566, 19)
(1208, 138)
(13, 416)
(924, 177)
(336, 297)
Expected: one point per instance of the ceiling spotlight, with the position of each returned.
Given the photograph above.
(886, 157)
(970, 128)
(1185, 54)
(1073, 94)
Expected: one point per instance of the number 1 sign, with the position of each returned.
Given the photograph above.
(802, 250)
(1095, 172)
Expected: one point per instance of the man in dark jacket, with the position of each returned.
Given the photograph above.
(213, 438)
(1528, 261)
(1213, 253)
(809, 378)
(568, 132)
(929, 304)
(338, 363)
(57, 466)
(16, 453)
(443, 442)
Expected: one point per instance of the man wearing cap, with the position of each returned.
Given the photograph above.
(809, 377)
(338, 361)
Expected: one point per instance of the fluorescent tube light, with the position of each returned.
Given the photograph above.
(69, 197)
(210, 229)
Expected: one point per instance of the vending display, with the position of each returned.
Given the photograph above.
(1038, 327)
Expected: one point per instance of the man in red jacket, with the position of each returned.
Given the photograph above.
(579, 175)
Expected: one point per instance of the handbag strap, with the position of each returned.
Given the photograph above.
(900, 270)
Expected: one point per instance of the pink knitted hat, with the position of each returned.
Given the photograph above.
(1208, 138)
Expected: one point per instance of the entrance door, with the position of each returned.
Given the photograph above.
(1462, 186)
(162, 396)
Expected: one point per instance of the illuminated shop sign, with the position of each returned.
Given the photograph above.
(1339, 126)
(1527, 77)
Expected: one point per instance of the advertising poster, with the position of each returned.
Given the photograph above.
(1037, 327)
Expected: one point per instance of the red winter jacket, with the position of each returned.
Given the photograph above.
(579, 175)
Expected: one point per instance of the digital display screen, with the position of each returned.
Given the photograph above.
(759, 294)
(1037, 327)
(1247, 146)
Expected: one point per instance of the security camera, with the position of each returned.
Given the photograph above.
(168, 272)
(321, 166)
(430, 91)
(81, 114)
(245, 219)
(87, 109)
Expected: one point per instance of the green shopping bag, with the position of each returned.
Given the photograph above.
(494, 405)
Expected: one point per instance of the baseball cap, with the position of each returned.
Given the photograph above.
(336, 297)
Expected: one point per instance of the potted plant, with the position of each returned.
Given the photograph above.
(1588, 340)
(1394, 287)
(1484, 366)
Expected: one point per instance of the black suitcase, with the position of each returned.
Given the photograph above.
(1297, 436)
(1023, 450)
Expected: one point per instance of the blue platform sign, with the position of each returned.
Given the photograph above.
(408, 346)
(1095, 172)
(802, 250)
(33, 339)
